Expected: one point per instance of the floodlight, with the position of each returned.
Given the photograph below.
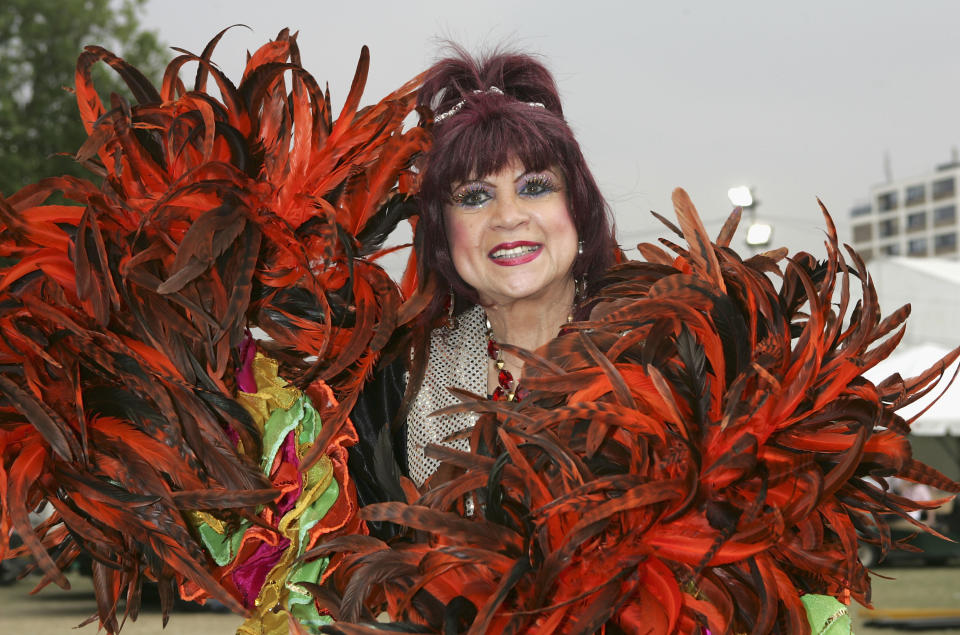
(740, 196)
(759, 234)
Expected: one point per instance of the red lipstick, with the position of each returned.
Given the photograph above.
(514, 253)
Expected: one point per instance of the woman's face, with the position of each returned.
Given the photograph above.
(511, 236)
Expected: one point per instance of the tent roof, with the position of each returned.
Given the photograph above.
(948, 270)
(944, 416)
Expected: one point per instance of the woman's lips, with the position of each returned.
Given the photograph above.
(515, 253)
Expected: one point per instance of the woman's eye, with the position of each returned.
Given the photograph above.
(538, 186)
(471, 197)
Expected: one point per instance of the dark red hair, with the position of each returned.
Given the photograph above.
(511, 109)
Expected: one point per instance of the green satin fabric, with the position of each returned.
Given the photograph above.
(827, 615)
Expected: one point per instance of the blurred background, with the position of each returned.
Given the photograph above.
(766, 105)
(797, 101)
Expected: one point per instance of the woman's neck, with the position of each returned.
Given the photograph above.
(531, 323)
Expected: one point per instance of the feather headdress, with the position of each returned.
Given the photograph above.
(699, 454)
(123, 318)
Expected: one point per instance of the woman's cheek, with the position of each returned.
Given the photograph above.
(462, 235)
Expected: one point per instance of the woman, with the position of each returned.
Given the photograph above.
(511, 222)
(512, 228)
(514, 231)
(708, 471)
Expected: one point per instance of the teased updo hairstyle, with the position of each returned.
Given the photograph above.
(482, 137)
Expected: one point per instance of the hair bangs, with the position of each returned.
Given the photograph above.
(486, 143)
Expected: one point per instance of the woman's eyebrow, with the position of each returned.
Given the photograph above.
(527, 173)
(457, 186)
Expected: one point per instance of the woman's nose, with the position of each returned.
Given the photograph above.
(509, 212)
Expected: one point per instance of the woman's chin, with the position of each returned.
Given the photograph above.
(526, 290)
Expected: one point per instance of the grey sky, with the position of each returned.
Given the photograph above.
(796, 99)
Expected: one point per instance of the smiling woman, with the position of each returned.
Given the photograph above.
(697, 449)
(512, 239)
(654, 447)
(513, 232)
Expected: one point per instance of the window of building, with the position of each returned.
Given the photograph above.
(944, 188)
(946, 215)
(887, 201)
(890, 250)
(865, 254)
(945, 243)
(862, 233)
(916, 221)
(915, 194)
(917, 247)
(861, 210)
(888, 227)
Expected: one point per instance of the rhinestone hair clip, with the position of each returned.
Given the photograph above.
(457, 106)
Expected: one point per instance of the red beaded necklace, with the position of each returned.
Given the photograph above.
(509, 389)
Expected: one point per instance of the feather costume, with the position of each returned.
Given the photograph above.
(699, 454)
(132, 400)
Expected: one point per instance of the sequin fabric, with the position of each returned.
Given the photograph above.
(458, 357)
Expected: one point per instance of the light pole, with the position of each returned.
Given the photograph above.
(758, 234)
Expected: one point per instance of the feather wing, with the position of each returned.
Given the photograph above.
(125, 312)
(699, 453)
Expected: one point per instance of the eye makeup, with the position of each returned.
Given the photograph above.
(535, 184)
(473, 195)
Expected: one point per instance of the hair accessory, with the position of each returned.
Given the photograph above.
(457, 106)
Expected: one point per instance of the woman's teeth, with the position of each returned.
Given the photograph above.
(514, 252)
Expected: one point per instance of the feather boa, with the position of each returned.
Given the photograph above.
(123, 314)
(698, 455)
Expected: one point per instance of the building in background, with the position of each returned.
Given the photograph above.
(909, 231)
(914, 217)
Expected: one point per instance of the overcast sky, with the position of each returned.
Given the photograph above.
(797, 100)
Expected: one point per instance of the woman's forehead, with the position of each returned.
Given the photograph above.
(513, 166)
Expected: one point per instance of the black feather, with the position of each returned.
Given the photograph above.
(397, 208)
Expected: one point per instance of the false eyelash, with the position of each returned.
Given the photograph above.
(545, 181)
(459, 197)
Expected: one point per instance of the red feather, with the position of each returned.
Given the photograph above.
(123, 315)
(707, 440)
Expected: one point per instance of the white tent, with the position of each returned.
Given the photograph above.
(944, 416)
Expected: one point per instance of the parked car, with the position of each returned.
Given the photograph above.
(931, 549)
(10, 570)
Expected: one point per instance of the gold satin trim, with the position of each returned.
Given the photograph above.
(269, 615)
(265, 619)
(198, 517)
(272, 391)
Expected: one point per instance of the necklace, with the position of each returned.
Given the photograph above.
(508, 389)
